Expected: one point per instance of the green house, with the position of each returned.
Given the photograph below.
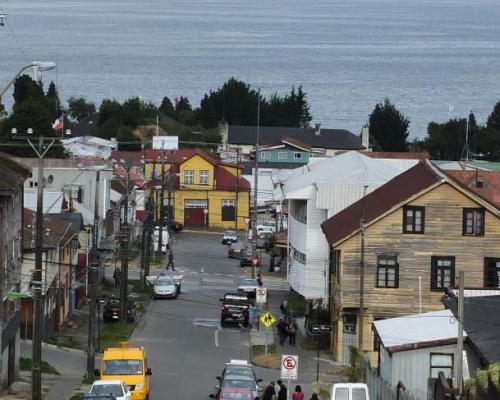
(289, 151)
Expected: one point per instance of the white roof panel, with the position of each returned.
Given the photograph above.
(416, 329)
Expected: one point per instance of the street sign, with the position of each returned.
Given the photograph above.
(247, 220)
(261, 295)
(289, 367)
(268, 319)
(205, 211)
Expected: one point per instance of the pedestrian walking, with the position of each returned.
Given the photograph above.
(117, 277)
(281, 326)
(269, 392)
(292, 332)
(284, 309)
(283, 391)
(252, 312)
(241, 320)
(298, 394)
(171, 260)
(314, 397)
(260, 280)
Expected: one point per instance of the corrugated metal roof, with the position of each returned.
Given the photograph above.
(417, 331)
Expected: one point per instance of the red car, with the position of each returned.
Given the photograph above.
(234, 394)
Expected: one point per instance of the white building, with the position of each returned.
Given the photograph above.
(417, 347)
(89, 146)
(315, 192)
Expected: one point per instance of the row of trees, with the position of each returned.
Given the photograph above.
(444, 141)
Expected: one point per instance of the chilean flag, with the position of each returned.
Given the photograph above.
(58, 124)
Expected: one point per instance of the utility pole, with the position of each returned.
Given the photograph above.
(162, 208)
(125, 251)
(255, 189)
(36, 356)
(237, 189)
(169, 205)
(362, 275)
(92, 282)
(460, 336)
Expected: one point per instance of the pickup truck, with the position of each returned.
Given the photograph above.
(233, 305)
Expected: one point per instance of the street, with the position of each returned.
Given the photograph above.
(186, 347)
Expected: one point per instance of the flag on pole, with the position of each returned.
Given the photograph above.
(58, 124)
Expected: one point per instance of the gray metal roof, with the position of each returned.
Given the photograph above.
(13, 174)
(340, 139)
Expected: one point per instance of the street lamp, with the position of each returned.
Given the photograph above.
(38, 68)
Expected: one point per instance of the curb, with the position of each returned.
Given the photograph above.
(202, 232)
(56, 347)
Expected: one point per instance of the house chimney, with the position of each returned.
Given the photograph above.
(317, 129)
(223, 132)
(365, 136)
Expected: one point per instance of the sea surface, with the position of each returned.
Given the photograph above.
(347, 54)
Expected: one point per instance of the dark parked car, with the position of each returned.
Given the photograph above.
(176, 226)
(111, 310)
(246, 259)
(233, 305)
(236, 249)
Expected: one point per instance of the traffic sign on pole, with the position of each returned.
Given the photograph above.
(268, 319)
(289, 367)
(261, 295)
(247, 220)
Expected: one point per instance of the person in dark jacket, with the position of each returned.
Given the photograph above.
(269, 392)
(171, 260)
(314, 397)
(292, 331)
(283, 391)
(282, 326)
(117, 276)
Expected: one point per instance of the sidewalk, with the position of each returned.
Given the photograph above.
(70, 363)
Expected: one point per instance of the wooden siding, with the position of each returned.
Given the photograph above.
(443, 237)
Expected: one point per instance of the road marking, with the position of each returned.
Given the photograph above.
(207, 322)
(216, 337)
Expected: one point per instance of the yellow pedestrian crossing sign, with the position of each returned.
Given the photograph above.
(268, 319)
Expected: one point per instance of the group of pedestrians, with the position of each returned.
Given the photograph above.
(287, 326)
(278, 391)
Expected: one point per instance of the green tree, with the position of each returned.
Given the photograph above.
(53, 102)
(79, 108)
(493, 121)
(389, 127)
(126, 139)
(26, 88)
(184, 111)
(166, 107)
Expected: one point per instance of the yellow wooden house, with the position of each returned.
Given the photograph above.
(421, 229)
(201, 191)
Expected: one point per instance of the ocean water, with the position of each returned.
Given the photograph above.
(347, 54)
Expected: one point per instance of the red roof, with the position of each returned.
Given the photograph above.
(225, 180)
(407, 155)
(381, 200)
(490, 180)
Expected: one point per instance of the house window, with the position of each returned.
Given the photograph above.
(265, 155)
(350, 323)
(298, 255)
(473, 222)
(442, 272)
(282, 155)
(188, 176)
(413, 219)
(298, 210)
(441, 362)
(387, 272)
(203, 177)
(228, 210)
(492, 272)
(297, 155)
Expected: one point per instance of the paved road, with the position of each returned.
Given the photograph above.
(186, 347)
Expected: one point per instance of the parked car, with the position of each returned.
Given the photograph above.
(115, 388)
(165, 287)
(129, 364)
(111, 310)
(176, 226)
(229, 393)
(238, 374)
(249, 286)
(350, 391)
(229, 237)
(176, 277)
(233, 305)
(236, 249)
(97, 397)
(246, 260)
(269, 226)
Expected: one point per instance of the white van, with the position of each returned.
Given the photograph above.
(350, 391)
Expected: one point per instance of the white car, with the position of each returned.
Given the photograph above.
(165, 287)
(268, 226)
(229, 237)
(117, 389)
(249, 286)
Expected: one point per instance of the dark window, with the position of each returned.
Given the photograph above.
(473, 221)
(350, 323)
(335, 263)
(413, 219)
(442, 272)
(387, 272)
(492, 272)
(228, 210)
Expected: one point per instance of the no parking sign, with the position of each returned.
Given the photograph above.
(289, 367)
(261, 295)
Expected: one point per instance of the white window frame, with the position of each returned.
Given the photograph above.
(188, 173)
(280, 155)
(204, 177)
(265, 155)
(228, 203)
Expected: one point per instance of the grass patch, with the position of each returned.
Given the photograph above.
(114, 333)
(137, 287)
(270, 360)
(296, 303)
(76, 396)
(25, 364)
